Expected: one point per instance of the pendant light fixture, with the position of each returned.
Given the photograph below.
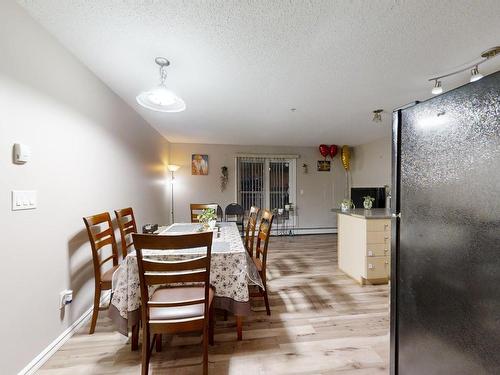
(475, 75)
(160, 98)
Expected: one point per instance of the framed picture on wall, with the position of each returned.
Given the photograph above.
(199, 165)
(323, 165)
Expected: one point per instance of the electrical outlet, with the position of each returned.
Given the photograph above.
(65, 298)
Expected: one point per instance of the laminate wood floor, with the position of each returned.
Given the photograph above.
(322, 322)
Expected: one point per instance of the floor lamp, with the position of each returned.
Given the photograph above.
(172, 168)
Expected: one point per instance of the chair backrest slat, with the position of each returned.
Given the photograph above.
(180, 265)
(99, 239)
(156, 272)
(250, 229)
(127, 225)
(159, 278)
(176, 303)
(101, 243)
(104, 233)
(266, 222)
(197, 208)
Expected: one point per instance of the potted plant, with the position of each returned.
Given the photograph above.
(208, 218)
(368, 202)
(346, 205)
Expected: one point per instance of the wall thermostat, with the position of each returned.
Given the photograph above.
(22, 153)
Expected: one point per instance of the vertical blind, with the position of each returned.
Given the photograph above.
(263, 182)
(251, 182)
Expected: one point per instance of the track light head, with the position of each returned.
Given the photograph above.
(475, 75)
(437, 89)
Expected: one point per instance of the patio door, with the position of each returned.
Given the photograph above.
(265, 182)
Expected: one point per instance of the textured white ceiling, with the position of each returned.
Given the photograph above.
(241, 65)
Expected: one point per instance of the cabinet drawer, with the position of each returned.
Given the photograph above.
(377, 267)
(375, 225)
(378, 237)
(378, 250)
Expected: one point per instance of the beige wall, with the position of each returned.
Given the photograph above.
(317, 188)
(91, 153)
(371, 164)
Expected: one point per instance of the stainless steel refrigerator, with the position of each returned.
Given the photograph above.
(445, 289)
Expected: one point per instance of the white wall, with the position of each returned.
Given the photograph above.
(313, 205)
(91, 153)
(371, 164)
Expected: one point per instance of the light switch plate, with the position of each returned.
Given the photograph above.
(24, 200)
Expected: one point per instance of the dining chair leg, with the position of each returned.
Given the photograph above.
(158, 342)
(145, 350)
(134, 344)
(211, 325)
(239, 327)
(205, 349)
(266, 300)
(95, 312)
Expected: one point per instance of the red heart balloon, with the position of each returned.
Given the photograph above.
(324, 150)
(333, 150)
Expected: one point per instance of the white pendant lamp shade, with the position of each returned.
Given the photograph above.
(160, 98)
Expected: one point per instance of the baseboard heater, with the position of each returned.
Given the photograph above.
(302, 231)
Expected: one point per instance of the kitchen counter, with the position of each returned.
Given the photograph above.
(364, 244)
(374, 213)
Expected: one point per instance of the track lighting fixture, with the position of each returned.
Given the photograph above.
(475, 75)
(437, 89)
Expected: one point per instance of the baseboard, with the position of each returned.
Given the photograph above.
(304, 231)
(49, 351)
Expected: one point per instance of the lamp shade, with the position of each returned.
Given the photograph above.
(161, 99)
(173, 167)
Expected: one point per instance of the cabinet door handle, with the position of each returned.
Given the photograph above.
(370, 253)
(386, 250)
(370, 266)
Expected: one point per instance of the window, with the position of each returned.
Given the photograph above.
(265, 182)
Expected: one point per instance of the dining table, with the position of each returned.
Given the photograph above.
(232, 272)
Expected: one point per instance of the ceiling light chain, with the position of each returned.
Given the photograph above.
(475, 75)
(163, 74)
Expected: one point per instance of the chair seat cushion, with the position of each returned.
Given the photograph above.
(178, 294)
(107, 276)
(258, 263)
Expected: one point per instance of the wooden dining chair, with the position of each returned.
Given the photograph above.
(197, 208)
(175, 309)
(101, 233)
(250, 229)
(260, 258)
(127, 225)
